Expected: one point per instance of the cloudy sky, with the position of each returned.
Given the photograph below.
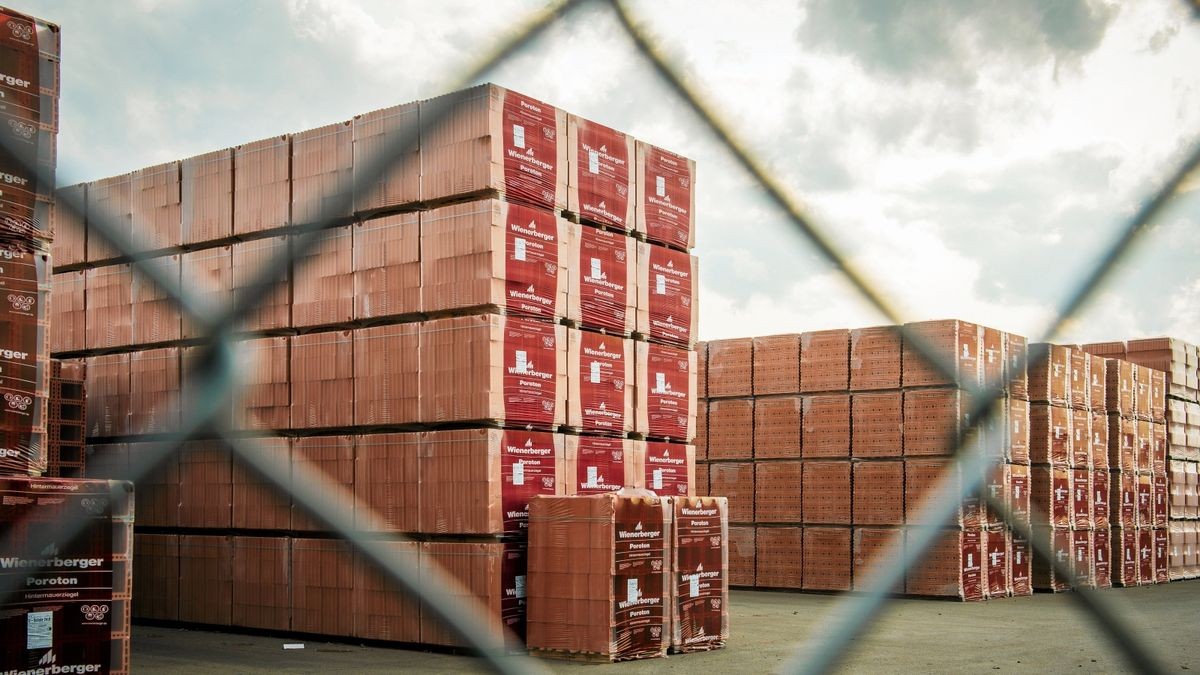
(971, 157)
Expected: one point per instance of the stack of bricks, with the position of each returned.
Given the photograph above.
(87, 630)
(827, 444)
(1178, 363)
(1071, 424)
(509, 310)
(66, 428)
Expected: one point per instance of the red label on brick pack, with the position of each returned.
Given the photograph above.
(513, 568)
(1160, 501)
(700, 575)
(530, 150)
(1145, 501)
(972, 565)
(1161, 573)
(668, 400)
(1081, 498)
(640, 567)
(603, 276)
(20, 84)
(527, 467)
(668, 200)
(670, 292)
(604, 166)
(530, 371)
(1146, 556)
(531, 261)
(1126, 486)
(997, 563)
(602, 382)
(666, 469)
(600, 465)
(1100, 486)
(1020, 566)
(1060, 498)
(60, 613)
(1129, 556)
(1018, 494)
(1101, 561)
(1081, 556)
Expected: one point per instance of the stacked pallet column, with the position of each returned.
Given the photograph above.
(506, 311)
(1174, 420)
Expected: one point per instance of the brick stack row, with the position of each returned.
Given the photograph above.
(509, 310)
(1179, 409)
(1072, 472)
(66, 429)
(70, 609)
(828, 443)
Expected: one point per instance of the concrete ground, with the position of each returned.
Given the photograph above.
(1044, 633)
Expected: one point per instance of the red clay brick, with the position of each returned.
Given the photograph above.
(777, 427)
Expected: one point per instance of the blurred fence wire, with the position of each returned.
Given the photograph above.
(214, 381)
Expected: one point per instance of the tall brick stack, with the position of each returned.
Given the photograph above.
(1173, 419)
(508, 311)
(1072, 423)
(43, 627)
(827, 443)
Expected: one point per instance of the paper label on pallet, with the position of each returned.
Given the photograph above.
(39, 630)
(593, 161)
(660, 284)
(694, 586)
(519, 249)
(631, 591)
(518, 473)
(518, 136)
(520, 583)
(593, 475)
(594, 372)
(660, 186)
(656, 482)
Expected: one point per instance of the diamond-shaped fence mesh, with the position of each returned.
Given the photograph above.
(214, 381)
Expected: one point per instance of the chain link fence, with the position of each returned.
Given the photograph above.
(214, 381)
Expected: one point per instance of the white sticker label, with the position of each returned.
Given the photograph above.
(519, 250)
(660, 284)
(522, 364)
(39, 630)
(518, 136)
(593, 161)
(520, 591)
(695, 585)
(593, 476)
(632, 594)
(595, 374)
(660, 186)
(657, 482)
(519, 473)
(660, 382)
(597, 273)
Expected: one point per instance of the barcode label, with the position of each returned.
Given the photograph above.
(660, 186)
(518, 473)
(518, 136)
(522, 364)
(596, 272)
(632, 594)
(694, 581)
(520, 591)
(656, 481)
(519, 250)
(595, 374)
(660, 284)
(593, 476)
(593, 161)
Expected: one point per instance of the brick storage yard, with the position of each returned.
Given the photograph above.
(495, 353)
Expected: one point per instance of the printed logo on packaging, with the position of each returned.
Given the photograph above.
(62, 619)
(603, 274)
(530, 150)
(668, 401)
(670, 285)
(666, 469)
(528, 462)
(604, 174)
(668, 197)
(602, 381)
(530, 371)
(531, 263)
(600, 465)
